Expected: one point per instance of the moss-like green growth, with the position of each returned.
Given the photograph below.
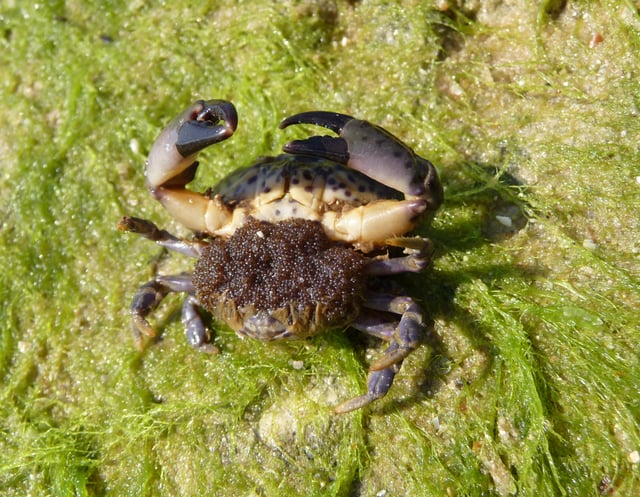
(529, 383)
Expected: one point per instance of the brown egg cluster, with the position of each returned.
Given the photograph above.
(289, 264)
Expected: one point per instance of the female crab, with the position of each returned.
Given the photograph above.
(296, 244)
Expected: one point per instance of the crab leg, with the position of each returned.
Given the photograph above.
(372, 151)
(404, 336)
(378, 325)
(378, 384)
(148, 298)
(172, 162)
(416, 261)
(411, 263)
(409, 331)
(163, 238)
(197, 332)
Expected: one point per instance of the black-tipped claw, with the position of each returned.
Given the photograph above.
(327, 147)
(215, 122)
(330, 120)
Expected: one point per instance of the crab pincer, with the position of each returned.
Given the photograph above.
(371, 150)
(172, 162)
(201, 124)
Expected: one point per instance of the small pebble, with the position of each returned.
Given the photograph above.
(24, 347)
(505, 221)
(134, 145)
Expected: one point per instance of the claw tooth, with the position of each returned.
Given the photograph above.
(223, 111)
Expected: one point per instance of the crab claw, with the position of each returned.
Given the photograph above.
(172, 156)
(372, 151)
(204, 128)
(172, 163)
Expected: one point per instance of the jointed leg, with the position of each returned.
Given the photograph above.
(149, 296)
(404, 336)
(198, 334)
(419, 252)
(379, 325)
(408, 333)
(378, 384)
(163, 238)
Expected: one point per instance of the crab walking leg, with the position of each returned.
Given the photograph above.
(377, 325)
(408, 333)
(371, 150)
(148, 298)
(404, 336)
(378, 384)
(412, 263)
(150, 231)
(197, 333)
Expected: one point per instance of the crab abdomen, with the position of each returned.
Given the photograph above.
(284, 280)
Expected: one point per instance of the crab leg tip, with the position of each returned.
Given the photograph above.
(378, 384)
(352, 405)
(136, 225)
(208, 348)
(122, 223)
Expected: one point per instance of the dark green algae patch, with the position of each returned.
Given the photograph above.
(527, 385)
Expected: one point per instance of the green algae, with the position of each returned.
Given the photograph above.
(528, 383)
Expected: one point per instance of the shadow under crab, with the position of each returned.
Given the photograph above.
(293, 245)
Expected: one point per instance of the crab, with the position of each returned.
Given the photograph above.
(293, 245)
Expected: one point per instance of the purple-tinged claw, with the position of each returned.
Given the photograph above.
(383, 157)
(335, 149)
(370, 150)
